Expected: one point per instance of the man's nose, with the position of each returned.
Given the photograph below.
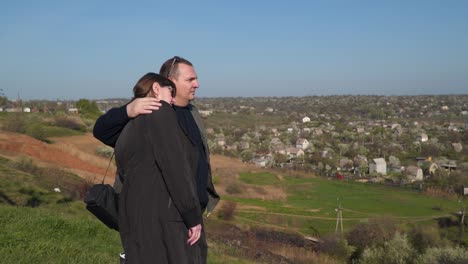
(195, 84)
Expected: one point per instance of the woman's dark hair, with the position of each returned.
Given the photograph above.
(144, 86)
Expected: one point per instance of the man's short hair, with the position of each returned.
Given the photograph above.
(170, 68)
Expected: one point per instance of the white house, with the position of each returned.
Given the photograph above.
(27, 110)
(220, 141)
(205, 113)
(378, 165)
(305, 119)
(302, 143)
(73, 110)
(423, 137)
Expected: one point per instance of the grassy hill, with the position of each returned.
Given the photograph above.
(265, 215)
(42, 226)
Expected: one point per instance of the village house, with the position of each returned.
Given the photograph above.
(14, 110)
(244, 145)
(205, 113)
(269, 109)
(220, 141)
(452, 127)
(450, 165)
(262, 161)
(378, 165)
(305, 119)
(72, 110)
(326, 153)
(422, 137)
(346, 164)
(359, 130)
(302, 143)
(275, 132)
(414, 173)
(318, 132)
(278, 149)
(232, 147)
(433, 168)
(294, 152)
(210, 131)
(457, 147)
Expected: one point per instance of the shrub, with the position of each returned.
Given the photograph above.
(25, 165)
(38, 132)
(105, 151)
(398, 251)
(70, 123)
(15, 122)
(423, 237)
(335, 246)
(376, 232)
(227, 210)
(234, 188)
(447, 255)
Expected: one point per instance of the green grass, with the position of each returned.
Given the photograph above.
(311, 203)
(265, 178)
(58, 229)
(44, 235)
(37, 125)
(55, 131)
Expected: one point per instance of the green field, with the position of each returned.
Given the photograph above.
(311, 203)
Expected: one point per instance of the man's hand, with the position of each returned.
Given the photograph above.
(144, 105)
(194, 234)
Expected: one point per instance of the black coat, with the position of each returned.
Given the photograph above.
(158, 202)
(109, 126)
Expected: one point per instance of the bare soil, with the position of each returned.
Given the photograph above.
(77, 154)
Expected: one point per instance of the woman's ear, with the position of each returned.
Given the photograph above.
(155, 89)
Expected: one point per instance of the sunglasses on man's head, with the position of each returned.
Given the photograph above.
(174, 60)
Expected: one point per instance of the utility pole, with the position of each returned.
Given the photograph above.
(462, 224)
(339, 219)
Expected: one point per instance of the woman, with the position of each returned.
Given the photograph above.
(160, 219)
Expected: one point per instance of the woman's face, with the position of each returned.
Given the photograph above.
(165, 94)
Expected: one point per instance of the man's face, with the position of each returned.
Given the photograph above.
(186, 83)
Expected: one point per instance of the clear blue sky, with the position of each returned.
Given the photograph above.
(99, 49)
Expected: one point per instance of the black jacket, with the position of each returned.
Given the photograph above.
(159, 201)
(109, 126)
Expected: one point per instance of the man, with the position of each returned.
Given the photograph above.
(179, 70)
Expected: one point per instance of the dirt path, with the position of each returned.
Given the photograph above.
(75, 154)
